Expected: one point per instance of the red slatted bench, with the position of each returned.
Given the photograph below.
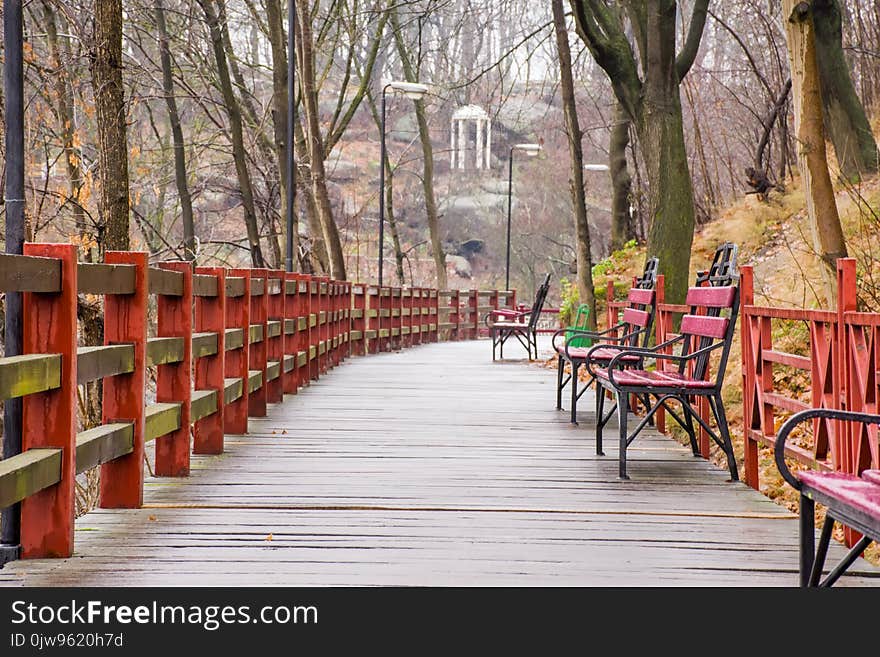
(705, 331)
(852, 500)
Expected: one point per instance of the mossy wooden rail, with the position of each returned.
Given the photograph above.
(226, 342)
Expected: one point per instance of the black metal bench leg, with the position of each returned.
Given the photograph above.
(821, 552)
(846, 562)
(622, 415)
(600, 420)
(494, 342)
(724, 428)
(807, 538)
(692, 435)
(560, 371)
(574, 391)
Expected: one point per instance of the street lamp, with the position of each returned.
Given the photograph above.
(531, 150)
(413, 91)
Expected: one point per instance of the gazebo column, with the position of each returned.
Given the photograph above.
(462, 144)
(452, 144)
(488, 143)
(478, 151)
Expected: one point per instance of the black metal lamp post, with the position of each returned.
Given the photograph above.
(13, 76)
(414, 91)
(291, 111)
(531, 150)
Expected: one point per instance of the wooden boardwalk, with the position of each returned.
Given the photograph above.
(434, 467)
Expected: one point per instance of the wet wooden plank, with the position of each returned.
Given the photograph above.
(93, 363)
(165, 282)
(19, 273)
(27, 473)
(162, 351)
(105, 279)
(103, 444)
(25, 375)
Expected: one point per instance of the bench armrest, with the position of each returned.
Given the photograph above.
(803, 416)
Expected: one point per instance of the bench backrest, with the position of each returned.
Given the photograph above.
(538, 306)
(711, 318)
(638, 316)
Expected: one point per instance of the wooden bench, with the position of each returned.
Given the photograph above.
(504, 323)
(851, 500)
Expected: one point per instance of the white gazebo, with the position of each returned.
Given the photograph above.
(462, 118)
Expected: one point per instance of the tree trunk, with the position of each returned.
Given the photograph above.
(845, 118)
(186, 210)
(411, 74)
(812, 160)
(586, 292)
(233, 112)
(278, 45)
(318, 258)
(315, 142)
(110, 113)
(67, 126)
(670, 194)
(392, 222)
(622, 229)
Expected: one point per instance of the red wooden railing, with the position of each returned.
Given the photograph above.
(842, 360)
(227, 342)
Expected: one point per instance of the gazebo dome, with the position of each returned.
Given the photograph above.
(470, 113)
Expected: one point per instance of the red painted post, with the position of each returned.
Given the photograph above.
(49, 418)
(275, 344)
(659, 336)
(418, 302)
(258, 350)
(291, 313)
(750, 445)
(474, 319)
(174, 380)
(434, 314)
(846, 302)
(609, 299)
(359, 319)
(238, 316)
(125, 321)
(371, 318)
(211, 370)
(314, 327)
(305, 335)
(455, 315)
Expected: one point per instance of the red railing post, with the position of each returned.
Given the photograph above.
(659, 337)
(275, 344)
(359, 319)
(346, 319)
(211, 370)
(750, 445)
(314, 326)
(174, 380)
(303, 331)
(474, 316)
(125, 321)
(238, 316)
(49, 418)
(258, 350)
(846, 302)
(290, 288)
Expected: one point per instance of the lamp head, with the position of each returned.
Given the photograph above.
(412, 90)
(529, 149)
